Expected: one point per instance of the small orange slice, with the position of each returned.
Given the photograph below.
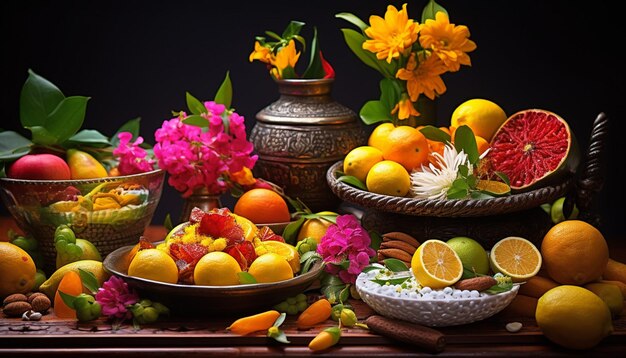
(436, 265)
(515, 257)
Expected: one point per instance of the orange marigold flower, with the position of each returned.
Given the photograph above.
(391, 36)
(404, 108)
(260, 53)
(423, 77)
(448, 42)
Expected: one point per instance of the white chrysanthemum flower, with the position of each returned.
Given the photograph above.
(433, 182)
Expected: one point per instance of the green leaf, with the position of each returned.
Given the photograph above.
(465, 140)
(430, 10)
(292, 29)
(369, 268)
(89, 281)
(67, 118)
(463, 170)
(468, 273)
(224, 94)
(436, 134)
(456, 193)
(282, 337)
(307, 255)
(315, 69)
(290, 234)
(132, 126)
(352, 180)
(377, 239)
(310, 260)
(168, 223)
(246, 278)
(280, 320)
(194, 105)
(395, 265)
(273, 35)
(330, 280)
(42, 136)
(389, 93)
(38, 99)
(480, 195)
(68, 299)
(353, 19)
(13, 145)
(499, 288)
(91, 138)
(289, 72)
(460, 184)
(355, 41)
(374, 112)
(196, 120)
(391, 281)
(471, 181)
(504, 177)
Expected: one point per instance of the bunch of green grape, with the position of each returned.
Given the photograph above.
(293, 305)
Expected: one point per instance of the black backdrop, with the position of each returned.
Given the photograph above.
(137, 58)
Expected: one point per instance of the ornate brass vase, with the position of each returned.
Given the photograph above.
(301, 135)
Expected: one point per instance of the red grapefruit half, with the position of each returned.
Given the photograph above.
(532, 146)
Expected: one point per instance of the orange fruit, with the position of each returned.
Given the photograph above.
(536, 286)
(378, 138)
(436, 265)
(262, 206)
(482, 144)
(574, 252)
(521, 306)
(70, 284)
(17, 270)
(407, 146)
(515, 257)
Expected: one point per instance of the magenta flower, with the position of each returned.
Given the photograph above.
(195, 158)
(346, 242)
(132, 158)
(115, 297)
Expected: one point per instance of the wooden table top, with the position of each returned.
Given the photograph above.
(207, 336)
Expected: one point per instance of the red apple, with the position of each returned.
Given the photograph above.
(39, 167)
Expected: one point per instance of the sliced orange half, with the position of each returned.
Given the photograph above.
(515, 257)
(436, 265)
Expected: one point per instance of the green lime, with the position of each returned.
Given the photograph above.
(472, 254)
(556, 211)
(40, 277)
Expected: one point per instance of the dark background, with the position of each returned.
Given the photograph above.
(137, 59)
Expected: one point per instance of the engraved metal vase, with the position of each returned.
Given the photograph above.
(298, 137)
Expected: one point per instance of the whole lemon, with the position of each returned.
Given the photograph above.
(17, 270)
(471, 253)
(388, 178)
(315, 228)
(378, 138)
(359, 161)
(154, 264)
(484, 117)
(573, 317)
(270, 267)
(217, 268)
(610, 294)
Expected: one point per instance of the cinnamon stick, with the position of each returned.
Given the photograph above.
(415, 334)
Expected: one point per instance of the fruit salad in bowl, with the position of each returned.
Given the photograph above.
(216, 254)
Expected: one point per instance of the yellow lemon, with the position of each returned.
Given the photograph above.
(17, 270)
(388, 178)
(359, 161)
(378, 138)
(217, 268)
(285, 250)
(315, 228)
(610, 294)
(154, 264)
(573, 317)
(436, 265)
(270, 267)
(49, 287)
(484, 117)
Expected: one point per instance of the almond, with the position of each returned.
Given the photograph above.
(16, 297)
(480, 283)
(16, 309)
(32, 296)
(40, 303)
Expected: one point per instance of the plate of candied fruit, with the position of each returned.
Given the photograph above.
(217, 262)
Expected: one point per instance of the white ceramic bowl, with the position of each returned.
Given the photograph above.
(434, 312)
